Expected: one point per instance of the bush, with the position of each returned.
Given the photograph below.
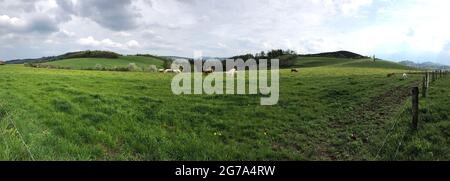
(132, 67)
(152, 68)
(122, 69)
(98, 67)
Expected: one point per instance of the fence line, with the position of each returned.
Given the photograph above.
(435, 75)
(428, 78)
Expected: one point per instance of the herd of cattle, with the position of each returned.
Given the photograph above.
(206, 72)
(233, 71)
(209, 71)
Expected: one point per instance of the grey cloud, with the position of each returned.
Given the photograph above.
(66, 5)
(117, 15)
(113, 14)
(42, 24)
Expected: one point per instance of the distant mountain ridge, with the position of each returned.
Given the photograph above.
(424, 65)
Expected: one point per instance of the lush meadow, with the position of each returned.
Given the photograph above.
(331, 112)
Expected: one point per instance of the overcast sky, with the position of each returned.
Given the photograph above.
(396, 30)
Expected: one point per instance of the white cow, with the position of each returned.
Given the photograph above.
(405, 76)
(177, 71)
(231, 72)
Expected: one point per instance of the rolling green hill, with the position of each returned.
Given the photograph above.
(368, 63)
(111, 60)
(337, 54)
(304, 62)
(69, 55)
(286, 61)
(123, 61)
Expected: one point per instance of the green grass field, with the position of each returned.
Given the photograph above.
(123, 61)
(327, 111)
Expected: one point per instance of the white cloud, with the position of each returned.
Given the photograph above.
(49, 41)
(349, 7)
(67, 33)
(132, 44)
(11, 22)
(122, 33)
(107, 43)
(221, 45)
(91, 41)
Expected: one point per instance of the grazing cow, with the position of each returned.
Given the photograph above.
(177, 71)
(231, 72)
(404, 76)
(294, 70)
(391, 74)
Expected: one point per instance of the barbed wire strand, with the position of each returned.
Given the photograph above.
(21, 139)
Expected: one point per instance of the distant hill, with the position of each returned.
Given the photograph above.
(424, 65)
(123, 61)
(70, 55)
(30, 60)
(288, 59)
(315, 61)
(338, 58)
(338, 54)
(176, 57)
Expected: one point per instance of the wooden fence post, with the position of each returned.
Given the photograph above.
(415, 107)
(424, 87)
(433, 75)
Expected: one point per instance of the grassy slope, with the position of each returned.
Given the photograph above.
(301, 62)
(79, 63)
(93, 115)
(344, 62)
